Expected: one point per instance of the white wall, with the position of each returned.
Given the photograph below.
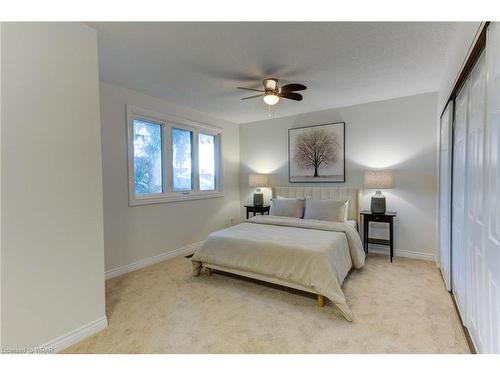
(398, 134)
(462, 41)
(51, 188)
(133, 234)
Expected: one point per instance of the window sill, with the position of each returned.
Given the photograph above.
(174, 198)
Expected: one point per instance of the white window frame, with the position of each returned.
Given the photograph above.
(168, 123)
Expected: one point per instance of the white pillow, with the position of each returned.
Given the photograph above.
(291, 207)
(326, 209)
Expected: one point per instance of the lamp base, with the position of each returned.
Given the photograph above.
(258, 199)
(378, 203)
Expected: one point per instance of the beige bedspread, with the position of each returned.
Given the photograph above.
(312, 253)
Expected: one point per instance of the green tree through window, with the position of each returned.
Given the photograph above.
(148, 157)
(182, 141)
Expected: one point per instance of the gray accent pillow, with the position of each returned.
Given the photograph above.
(326, 209)
(290, 207)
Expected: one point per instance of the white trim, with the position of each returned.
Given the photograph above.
(176, 198)
(186, 250)
(173, 119)
(77, 335)
(379, 249)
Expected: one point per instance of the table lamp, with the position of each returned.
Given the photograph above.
(378, 180)
(258, 181)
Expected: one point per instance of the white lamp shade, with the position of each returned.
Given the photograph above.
(379, 179)
(257, 180)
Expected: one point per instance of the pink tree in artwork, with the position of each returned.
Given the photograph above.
(315, 148)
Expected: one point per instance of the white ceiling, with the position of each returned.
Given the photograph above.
(199, 65)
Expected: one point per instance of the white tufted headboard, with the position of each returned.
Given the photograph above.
(318, 193)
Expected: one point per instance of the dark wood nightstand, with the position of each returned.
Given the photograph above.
(387, 217)
(257, 209)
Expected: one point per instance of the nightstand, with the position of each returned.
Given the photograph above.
(257, 209)
(387, 217)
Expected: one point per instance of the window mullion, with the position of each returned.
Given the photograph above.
(130, 155)
(218, 162)
(195, 162)
(168, 160)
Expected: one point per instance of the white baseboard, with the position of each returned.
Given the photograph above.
(186, 250)
(379, 249)
(91, 328)
(77, 335)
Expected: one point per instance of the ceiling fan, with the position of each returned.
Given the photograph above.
(272, 92)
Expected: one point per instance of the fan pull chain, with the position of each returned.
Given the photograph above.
(271, 112)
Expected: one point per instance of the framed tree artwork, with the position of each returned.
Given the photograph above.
(317, 153)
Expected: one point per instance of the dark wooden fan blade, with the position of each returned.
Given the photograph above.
(249, 89)
(291, 95)
(293, 87)
(253, 96)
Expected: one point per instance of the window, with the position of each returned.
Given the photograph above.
(148, 169)
(172, 159)
(182, 153)
(206, 163)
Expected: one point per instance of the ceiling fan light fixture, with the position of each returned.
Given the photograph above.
(271, 99)
(273, 93)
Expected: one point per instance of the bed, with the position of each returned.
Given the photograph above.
(309, 255)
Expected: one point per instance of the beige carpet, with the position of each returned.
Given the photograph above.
(398, 308)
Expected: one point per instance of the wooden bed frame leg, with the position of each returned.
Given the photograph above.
(209, 271)
(321, 300)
